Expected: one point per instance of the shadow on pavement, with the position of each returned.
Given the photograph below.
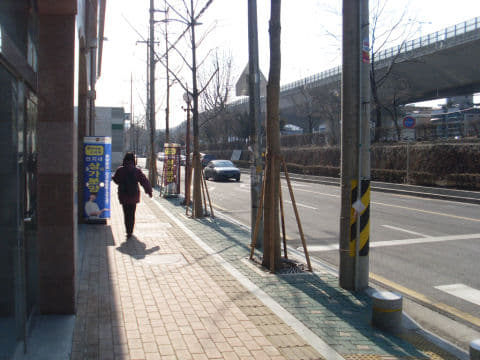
(336, 315)
(135, 248)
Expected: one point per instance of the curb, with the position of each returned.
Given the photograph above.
(463, 196)
(414, 329)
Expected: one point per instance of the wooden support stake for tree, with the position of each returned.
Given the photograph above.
(282, 214)
(208, 195)
(187, 195)
(259, 215)
(300, 230)
(161, 178)
(273, 200)
(202, 182)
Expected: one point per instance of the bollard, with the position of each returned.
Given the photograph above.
(387, 311)
(475, 350)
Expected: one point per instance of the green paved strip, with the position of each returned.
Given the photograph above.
(340, 318)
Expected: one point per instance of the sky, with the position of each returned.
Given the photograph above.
(310, 39)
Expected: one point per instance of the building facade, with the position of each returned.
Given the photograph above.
(39, 176)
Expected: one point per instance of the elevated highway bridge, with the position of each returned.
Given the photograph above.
(438, 65)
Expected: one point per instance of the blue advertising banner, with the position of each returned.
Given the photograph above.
(97, 152)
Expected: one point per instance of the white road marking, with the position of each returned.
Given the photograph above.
(296, 184)
(426, 211)
(405, 230)
(462, 291)
(319, 248)
(302, 205)
(422, 240)
(399, 206)
(318, 193)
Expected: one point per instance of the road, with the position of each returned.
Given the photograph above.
(425, 247)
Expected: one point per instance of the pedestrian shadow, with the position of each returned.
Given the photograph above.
(135, 248)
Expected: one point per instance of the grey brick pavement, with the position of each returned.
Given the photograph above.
(162, 296)
(339, 317)
(151, 298)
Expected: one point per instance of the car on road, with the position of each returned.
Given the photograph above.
(206, 158)
(221, 170)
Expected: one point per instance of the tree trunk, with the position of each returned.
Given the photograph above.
(378, 108)
(271, 254)
(197, 167)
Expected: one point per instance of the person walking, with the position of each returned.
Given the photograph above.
(127, 178)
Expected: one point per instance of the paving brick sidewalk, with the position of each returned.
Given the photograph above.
(152, 297)
(161, 295)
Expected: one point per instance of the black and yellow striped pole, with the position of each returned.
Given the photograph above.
(355, 168)
(360, 230)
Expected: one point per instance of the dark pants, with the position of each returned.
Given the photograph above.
(129, 216)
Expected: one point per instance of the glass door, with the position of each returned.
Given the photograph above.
(11, 220)
(18, 216)
(30, 208)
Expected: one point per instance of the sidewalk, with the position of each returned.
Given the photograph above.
(183, 289)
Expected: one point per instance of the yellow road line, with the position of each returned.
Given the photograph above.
(422, 298)
(218, 207)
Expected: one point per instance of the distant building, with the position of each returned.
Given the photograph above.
(291, 129)
(242, 86)
(110, 121)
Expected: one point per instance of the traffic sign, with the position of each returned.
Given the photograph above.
(409, 122)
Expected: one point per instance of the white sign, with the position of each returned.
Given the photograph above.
(236, 155)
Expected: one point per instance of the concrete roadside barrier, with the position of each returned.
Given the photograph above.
(387, 311)
(475, 350)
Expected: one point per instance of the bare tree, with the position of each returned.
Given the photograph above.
(329, 106)
(388, 27)
(215, 115)
(217, 91)
(383, 34)
(240, 126)
(271, 257)
(140, 134)
(190, 17)
(305, 107)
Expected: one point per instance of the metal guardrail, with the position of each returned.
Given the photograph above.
(452, 32)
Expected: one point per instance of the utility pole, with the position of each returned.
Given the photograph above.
(255, 119)
(355, 182)
(187, 99)
(152, 168)
(167, 108)
(132, 123)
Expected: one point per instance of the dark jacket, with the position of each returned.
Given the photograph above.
(120, 178)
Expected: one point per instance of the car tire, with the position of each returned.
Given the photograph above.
(237, 179)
